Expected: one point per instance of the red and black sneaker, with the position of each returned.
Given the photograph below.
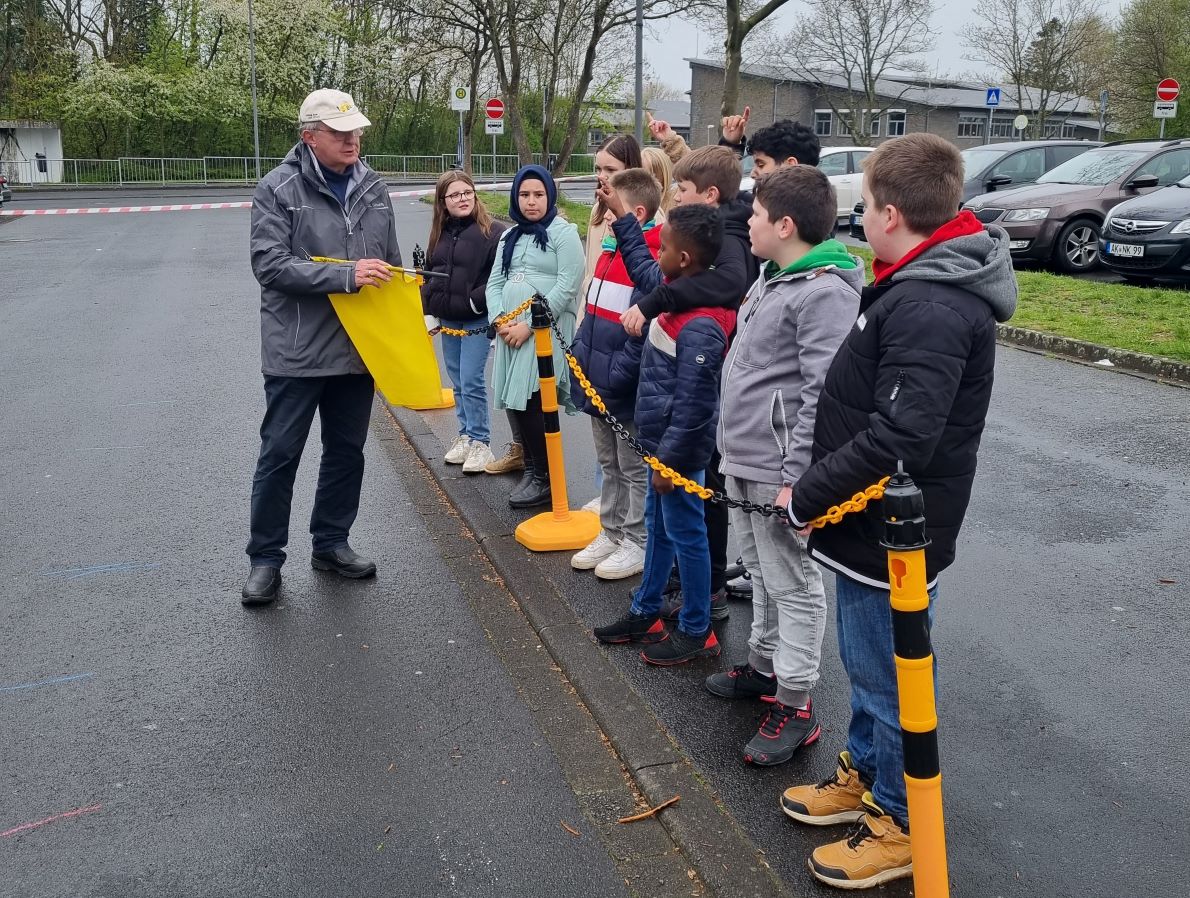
(632, 628)
(742, 681)
(783, 731)
(678, 648)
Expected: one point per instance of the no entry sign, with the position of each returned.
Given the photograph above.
(1167, 90)
(494, 108)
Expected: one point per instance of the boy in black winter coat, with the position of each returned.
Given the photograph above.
(677, 409)
(911, 383)
(706, 176)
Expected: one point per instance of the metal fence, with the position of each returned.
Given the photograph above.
(129, 170)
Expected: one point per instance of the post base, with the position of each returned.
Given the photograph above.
(447, 400)
(549, 532)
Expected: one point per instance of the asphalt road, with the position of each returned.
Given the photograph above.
(1064, 652)
(158, 739)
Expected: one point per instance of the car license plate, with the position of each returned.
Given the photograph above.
(1126, 249)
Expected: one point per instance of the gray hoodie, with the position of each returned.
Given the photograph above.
(979, 263)
(295, 216)
(788, 331)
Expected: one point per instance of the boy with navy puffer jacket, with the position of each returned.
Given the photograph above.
(677, 408)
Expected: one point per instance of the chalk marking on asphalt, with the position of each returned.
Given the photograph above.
(118, 567)
(25, 827)
(192, 207)
(53, 682)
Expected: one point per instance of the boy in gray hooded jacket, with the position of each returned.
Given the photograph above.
(790, 326)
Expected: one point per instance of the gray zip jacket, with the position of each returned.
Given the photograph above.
(788, 330)
(295, 216)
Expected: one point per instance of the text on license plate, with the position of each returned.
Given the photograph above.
(1125, 249)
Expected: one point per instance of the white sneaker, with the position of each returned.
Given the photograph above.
(479, 456)
(627, 561)
(593, 506)
(457, 453)
(601, 547)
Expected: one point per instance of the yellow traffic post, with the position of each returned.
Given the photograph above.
(560, 528)
(905, 539)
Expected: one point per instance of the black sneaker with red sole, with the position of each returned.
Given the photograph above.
(678, 648)
(632, 628)
(783, 731)
(742, 681)
(673, 606)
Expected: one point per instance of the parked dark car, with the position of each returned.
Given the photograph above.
(997, 166)
(5, 191)
(1149, 237)
(1057, 220)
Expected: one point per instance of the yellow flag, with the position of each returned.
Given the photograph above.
(388, 329)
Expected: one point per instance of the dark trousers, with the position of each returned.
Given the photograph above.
(530, 427)
(344, 406)
(717, 526)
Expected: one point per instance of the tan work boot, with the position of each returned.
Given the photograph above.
(513, 460)
(837, 799)
(876, 852)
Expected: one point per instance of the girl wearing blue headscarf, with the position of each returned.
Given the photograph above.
(541, 254)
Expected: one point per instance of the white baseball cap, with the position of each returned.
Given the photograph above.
(334, 109)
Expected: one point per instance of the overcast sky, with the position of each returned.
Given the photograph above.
(681, 39)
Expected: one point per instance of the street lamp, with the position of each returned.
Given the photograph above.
(252, 69)
(640, 71)
(710, 134)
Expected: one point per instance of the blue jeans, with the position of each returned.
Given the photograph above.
(866, 648)
(676, 527)
(466, 360)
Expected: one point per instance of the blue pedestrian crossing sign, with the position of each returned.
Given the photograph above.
(993, 96)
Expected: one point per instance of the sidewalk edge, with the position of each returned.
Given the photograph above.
(1137, 363)
(717, 847)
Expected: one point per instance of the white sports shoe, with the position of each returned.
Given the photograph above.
(593, 506)
(627, 561)
(479, 456)
(601, 547)
(457, 453)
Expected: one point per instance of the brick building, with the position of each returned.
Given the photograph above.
(948, 108)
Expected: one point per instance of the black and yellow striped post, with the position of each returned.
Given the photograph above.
(905, 539)
(560, 528)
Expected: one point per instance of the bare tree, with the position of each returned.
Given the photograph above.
(743, 16)
(860, 42)
(1038, 44)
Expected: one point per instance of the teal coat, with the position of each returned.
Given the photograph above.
(557, 274)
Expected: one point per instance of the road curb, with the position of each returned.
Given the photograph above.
(1165, 370)
(726, 860)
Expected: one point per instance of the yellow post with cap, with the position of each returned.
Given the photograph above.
(560, 528)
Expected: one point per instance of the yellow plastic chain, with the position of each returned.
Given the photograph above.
(833, 515)
(499, 322)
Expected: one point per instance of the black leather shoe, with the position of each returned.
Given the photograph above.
(524, 484)
(262, 584)
(344, 562)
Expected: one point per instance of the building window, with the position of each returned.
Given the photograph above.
(873, 123)
(1055, 128)
(971, 125)
(594, 137)
(1002, 127)
(823, 122)
(896, 123)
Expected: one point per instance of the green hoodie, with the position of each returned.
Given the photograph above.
(828, 252)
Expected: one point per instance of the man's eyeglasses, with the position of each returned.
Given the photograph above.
(342, 136)
(461, 195)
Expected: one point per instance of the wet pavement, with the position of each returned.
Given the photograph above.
(158, 739)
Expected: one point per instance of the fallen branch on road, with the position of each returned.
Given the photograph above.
(651, 811)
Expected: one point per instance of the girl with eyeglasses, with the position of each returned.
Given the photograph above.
(462, 245)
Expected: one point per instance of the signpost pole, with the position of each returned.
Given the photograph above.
(493, 160)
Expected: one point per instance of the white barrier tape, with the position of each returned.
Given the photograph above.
(191, 207)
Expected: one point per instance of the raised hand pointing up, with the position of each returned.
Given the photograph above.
(734, 125)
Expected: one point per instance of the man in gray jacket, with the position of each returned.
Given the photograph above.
(322, 200)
